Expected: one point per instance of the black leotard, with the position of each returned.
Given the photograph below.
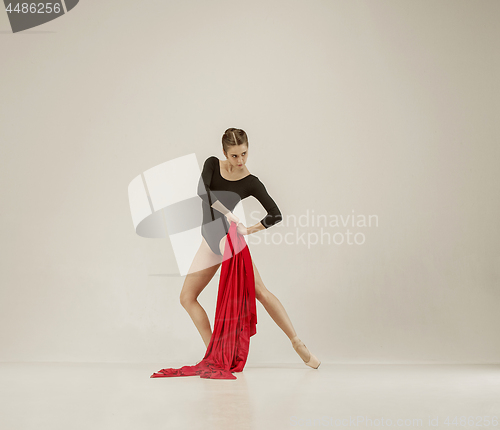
(212, 187)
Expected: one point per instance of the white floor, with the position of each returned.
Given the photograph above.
(123, 396)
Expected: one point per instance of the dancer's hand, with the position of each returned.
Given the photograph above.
(232, 218)
(242, 229)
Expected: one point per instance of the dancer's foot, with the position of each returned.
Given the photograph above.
(307, 357)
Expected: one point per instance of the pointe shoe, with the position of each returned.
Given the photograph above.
(313, 360)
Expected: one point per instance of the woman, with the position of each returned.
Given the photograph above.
(231, 181)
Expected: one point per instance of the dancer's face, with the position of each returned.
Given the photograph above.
(237, 156)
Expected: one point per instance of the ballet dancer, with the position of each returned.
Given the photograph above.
(232, 175)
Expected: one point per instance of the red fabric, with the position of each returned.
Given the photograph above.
(235, 316)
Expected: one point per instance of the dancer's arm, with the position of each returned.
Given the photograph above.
(207, 195)
(225, 211)
(273, 213)
(204, 191)
(220, 207)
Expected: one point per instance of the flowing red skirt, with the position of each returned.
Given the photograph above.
(235, 316)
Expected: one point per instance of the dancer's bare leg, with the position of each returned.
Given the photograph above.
(272, 305)
(202, 270)
(278, 313)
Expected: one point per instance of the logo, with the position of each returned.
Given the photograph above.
(166, 201)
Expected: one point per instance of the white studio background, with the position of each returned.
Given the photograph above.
(386, 108)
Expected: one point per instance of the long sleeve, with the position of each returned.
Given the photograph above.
(273, 213)
(204, 191)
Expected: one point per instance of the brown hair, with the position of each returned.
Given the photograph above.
(233, 137)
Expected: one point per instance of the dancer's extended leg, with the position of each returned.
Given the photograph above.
(278, 313)
(273, 306)
(202, 270)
